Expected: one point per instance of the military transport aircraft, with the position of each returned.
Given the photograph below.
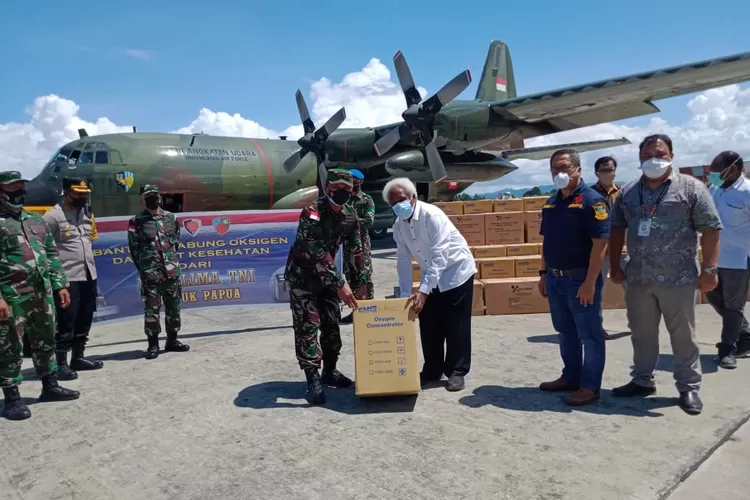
(442, 144)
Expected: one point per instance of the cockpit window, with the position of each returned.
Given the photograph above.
(102, 157)
(62, 155)
(86, 158)
(74, 157)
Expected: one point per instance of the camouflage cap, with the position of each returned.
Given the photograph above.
(11, 176)
(149, 189)
(340, 176)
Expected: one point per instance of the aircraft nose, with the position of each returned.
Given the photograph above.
(39, 194)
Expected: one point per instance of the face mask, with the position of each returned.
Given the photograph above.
(715, 179)
(655, 167)
(403, 209)
(340, 197)
(152, 203)
(561, 180)
(607, 178)
(356, 188)
(16, 198)
(79, 202)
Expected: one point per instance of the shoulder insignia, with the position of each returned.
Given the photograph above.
(313, 214)
(575, 205)
(600, 210)
(548, 205)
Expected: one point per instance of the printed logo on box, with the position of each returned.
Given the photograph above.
(402, 372)
(368, 309)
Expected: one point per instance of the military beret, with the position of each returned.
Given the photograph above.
(357, 174)
(11, 176)
(76, 185)
(339, 176)
(149, 188)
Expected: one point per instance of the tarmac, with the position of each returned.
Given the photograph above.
(228, 420)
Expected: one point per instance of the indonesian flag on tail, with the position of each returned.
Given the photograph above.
(500, 85)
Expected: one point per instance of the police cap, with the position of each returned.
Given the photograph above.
(76, 185)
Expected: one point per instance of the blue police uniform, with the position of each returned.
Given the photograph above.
(568, 226)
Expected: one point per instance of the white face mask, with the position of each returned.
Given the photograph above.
(561, 180)
(655, 167)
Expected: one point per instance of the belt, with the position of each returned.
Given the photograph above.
(564, 272)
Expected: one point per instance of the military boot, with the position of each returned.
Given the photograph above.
(331, 376)
(14, 408)
(152, 352)
(51, 391)
(64, 372)
(175, 345)
(314, 394)
(80, 363)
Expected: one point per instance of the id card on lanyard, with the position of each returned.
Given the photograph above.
(644, 224)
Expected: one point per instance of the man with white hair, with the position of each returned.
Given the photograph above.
(444, 298)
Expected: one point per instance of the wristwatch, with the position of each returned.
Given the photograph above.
(542, 272)
(711, 270)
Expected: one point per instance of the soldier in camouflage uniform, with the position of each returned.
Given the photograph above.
(316, 287)
(153, 239)
(364, 205)
(30, 271)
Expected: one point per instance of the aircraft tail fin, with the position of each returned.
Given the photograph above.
(498, 82)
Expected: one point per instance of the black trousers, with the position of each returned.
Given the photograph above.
(728, 300)
(74, 322)
(445, 320)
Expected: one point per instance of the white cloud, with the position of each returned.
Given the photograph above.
(719, 119)
(144, 55)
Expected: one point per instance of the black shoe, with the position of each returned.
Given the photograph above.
(632, 390)
(691, 403)
(347, 320)
(80, 363)
(152, 352)
(51, 391)
(314, 394)
(335, 378)
(64, 371)
(428, 380)
(174, 345)
(455, 383)
(728, 362)
(743, 348)
(14, 408)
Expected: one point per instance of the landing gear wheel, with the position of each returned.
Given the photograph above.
(378, 234)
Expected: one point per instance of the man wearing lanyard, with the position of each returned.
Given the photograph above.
(661, 214)
(731, 193)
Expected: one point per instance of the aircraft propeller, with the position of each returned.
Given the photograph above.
(313, 140)
(420, 116)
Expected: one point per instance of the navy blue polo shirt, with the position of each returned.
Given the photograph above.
(569, 224)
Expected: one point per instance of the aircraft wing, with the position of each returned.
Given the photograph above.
(624, 97)
(544, 152)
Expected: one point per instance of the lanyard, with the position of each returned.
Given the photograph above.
(664, 189)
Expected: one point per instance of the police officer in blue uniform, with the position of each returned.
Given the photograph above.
(575, 227)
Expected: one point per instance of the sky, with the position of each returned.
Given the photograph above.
(232, 67)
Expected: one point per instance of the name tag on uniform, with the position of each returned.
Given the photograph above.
(644, 227)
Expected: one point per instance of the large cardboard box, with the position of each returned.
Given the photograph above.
(528, 266)
(477, 207)
(613, 296)
(532, 222)
(503, 228)
(416, 272)
(477, 304)
(513, 296)
(450, 207)
(509, 205)
(386, 361)
(534, 203)
(498, 267)
(471, 227)
(487, 251)
(522, 249)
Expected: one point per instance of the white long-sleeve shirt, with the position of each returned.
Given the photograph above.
(733, 205)
(435, 243)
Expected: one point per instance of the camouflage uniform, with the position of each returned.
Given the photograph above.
(314, 282)
(153, 240)
(365, 208)
(30, 271)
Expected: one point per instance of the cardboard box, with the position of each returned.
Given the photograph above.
(477, 207)
(488, 251)
(513, 296)
(532, 222)
(450, 207)
(386, 361)
(503, 228)
(528, 266)
(477, 304)
(534, 203)
(510, 205)
(498, 267)
(523, 249)
(471, 227)
(416, 272)
(613, 296)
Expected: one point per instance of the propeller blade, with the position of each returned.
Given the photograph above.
(291, 163)
(304, 114)
(437, 168)
(385, 143)
(322, 174)
(406, 80)
(331, 125)
(450, 91)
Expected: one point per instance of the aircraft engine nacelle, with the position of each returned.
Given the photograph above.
(468, 167)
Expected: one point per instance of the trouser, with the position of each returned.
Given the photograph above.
(728, 299)
(34, 315)
(582, 347)
(74, 321)
(445, 322)
(314, 313)
(167, 291)
(646, 306)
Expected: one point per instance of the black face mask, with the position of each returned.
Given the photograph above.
(16, 198)
(152, 203)
(340, 197)
(79, 202)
